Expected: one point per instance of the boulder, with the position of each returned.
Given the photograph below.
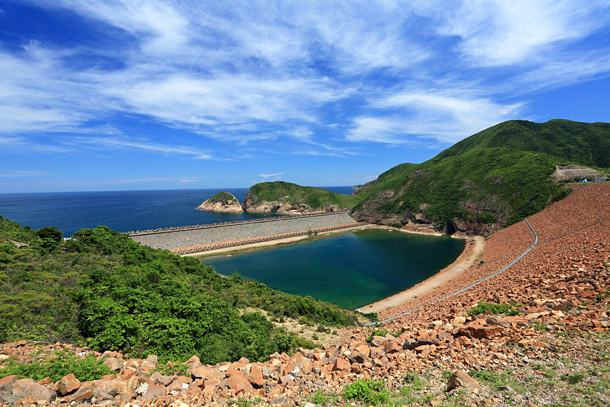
(342, 365)
(113, 364)
(193, 362)
(479, 331)
(154, 391)
(68, 384)
(158, 378)
(460, 379)
(6, 386)
(29, 388)
(239, 384)
(255, 376)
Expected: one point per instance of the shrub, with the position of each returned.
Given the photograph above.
(84, 369)
(368, 391)
(482, 307)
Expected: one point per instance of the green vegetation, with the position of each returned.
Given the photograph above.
(483, 307)
(500, 175)
(285, 192)
(382, 332)
(223, 197)
(368, 391)
(586, 144)
(62, 364)
(102, 289)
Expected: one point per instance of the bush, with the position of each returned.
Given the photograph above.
(64, 363)
(368, 391)
(482, 307)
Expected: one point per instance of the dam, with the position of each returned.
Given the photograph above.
(200, 238)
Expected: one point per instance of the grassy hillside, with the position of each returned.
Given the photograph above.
(587, 144)
(223, 197)
(285, 192)
(103, 289)
(491, 179)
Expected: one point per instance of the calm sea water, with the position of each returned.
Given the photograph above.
(120, 210)
(351, 270)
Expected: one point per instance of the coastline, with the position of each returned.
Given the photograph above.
(473, 250)
(253, 247)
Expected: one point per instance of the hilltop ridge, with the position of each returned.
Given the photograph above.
(492, 179)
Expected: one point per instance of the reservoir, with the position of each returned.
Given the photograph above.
(352, 269)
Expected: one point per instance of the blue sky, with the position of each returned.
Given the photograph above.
(127, 95)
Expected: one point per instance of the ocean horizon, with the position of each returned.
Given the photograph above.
(122, 211)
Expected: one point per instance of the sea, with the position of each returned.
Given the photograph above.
(123, 211)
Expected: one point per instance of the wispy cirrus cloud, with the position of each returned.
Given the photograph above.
(137, 144)
(23, 174)
(521, 31)
(251, 73)
(274, 175)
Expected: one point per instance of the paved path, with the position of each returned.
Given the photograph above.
(192, 237)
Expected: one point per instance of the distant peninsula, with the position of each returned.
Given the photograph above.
(221, 202)
(287, 198)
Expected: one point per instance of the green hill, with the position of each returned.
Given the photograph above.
(492, 179)
(282, 196)
(223, 197)
(103, 289)
(587, 144)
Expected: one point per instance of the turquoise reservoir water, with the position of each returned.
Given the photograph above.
(352, 269)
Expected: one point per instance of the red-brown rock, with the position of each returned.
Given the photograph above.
(255, 376)
(476, 330)
(342, 365)
(154, 391)
(68, 384)
(239, 384)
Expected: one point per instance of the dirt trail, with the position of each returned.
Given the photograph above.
(474, 248)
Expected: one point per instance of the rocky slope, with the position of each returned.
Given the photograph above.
(554, 352)
(221, 202)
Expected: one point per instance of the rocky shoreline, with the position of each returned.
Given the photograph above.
(555, 351)
(221, 202)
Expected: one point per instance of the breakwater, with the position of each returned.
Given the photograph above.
(201, 235)
(222, 224)
(241, 242)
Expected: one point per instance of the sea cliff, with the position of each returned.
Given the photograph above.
(292, 199)
(221, 202)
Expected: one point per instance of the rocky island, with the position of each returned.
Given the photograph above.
(221, 202)
(292, 199)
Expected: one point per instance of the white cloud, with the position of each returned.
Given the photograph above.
(113, 143)
(188, 181)
(23, 174)
(418, 116)
(274, 175)
(139, 180)
(388, 72)
(508, 32)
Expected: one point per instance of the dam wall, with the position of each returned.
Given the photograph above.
(207, 234)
